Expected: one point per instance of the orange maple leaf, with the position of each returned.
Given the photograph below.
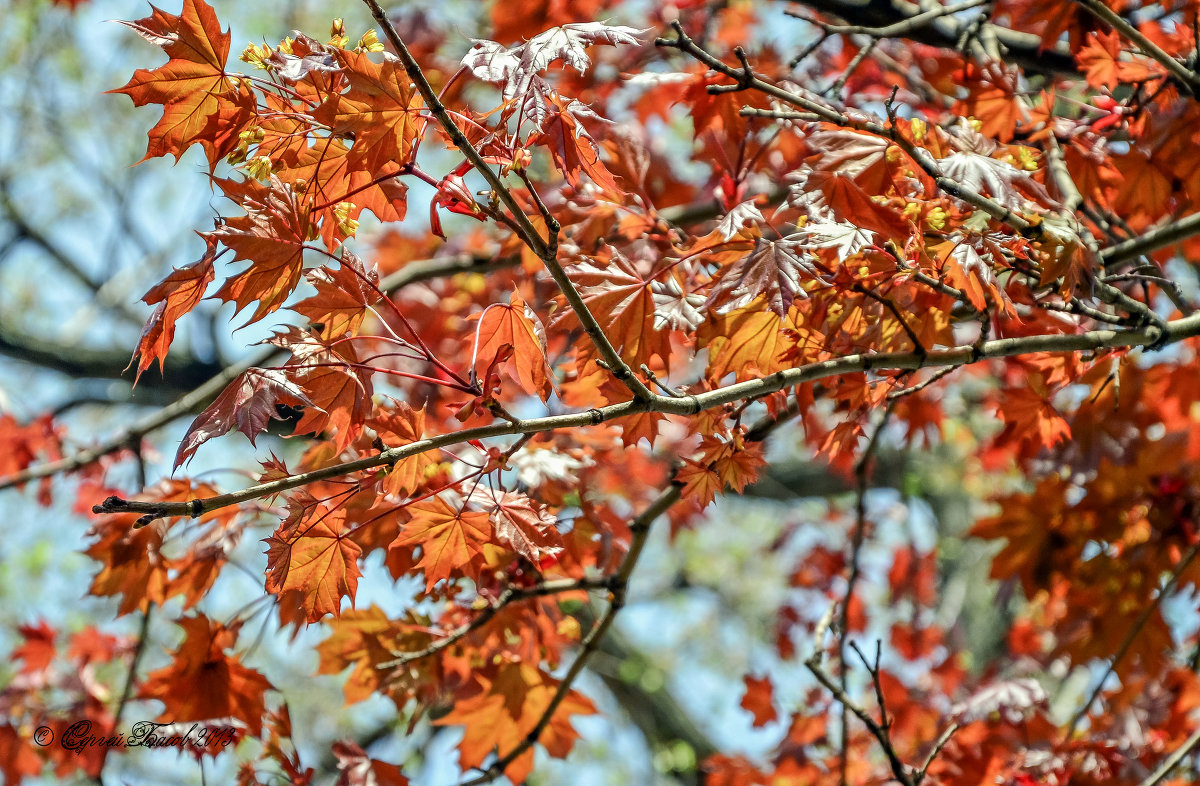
(382, 111)
(247, 404)
(618, 292)
(524, 525)
(205, 683)
(451, 539)
(343, 295)
(18, 758)
(1030, 417)
(201, 102)
(1101, 61)
(271, 236)
(177, 294)
(312, 552)
(573, 149)
(757, 700)
(516, 325)
(505, 710)
(363, 639)
(337, 387)
(133, 564)
(401, 426)
(699, 481)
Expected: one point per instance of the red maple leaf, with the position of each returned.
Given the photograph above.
(220, 686)
(312, 553)
(201, 102)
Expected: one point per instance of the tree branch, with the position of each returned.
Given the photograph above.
(1023, 49)
(1174, 331)
(545, 249)
(132, 436)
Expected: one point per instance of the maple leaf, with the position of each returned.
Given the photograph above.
(177, 294)
(382, 111)
(991, 99)
(966, 269)
(324, 173)
(222, 686)
(621, 297)
(401, 426)
(836, 197)
(37, 650)
(271, 236)
(337, 387)
(517, 68)
(1010, 698)
(356, 768)
(311, 552)
(365, 638)
(745, 342)
(133, 564)
(774, 269)
(18, 757)
(757, 700)
(742, 216)
(247, 404)
(342, 298)
(1102, 63)
(1002, 181)
(451, 538)
(1029, 416)
(518, 326)
(520, 523)
(699, 481)
(573, 149)
(505, 709)
(201, 103)
(675, 309)
(862, 157)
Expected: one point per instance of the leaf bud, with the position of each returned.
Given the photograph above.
(346, 225)
(256, 55)
(259, 168)
(370, 42)
(337, 34)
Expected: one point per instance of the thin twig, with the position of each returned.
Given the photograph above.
(1172, 761)
(919, 775)
(861, 471)
(509, 596)
(1132, 634)
(546, 249)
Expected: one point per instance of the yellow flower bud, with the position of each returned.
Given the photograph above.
(918, 128)
(370, 42)
(259, 168)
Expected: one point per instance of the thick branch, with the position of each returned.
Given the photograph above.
(1023, 49)
(181, 373)
(131, 437)
(1174, 331)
